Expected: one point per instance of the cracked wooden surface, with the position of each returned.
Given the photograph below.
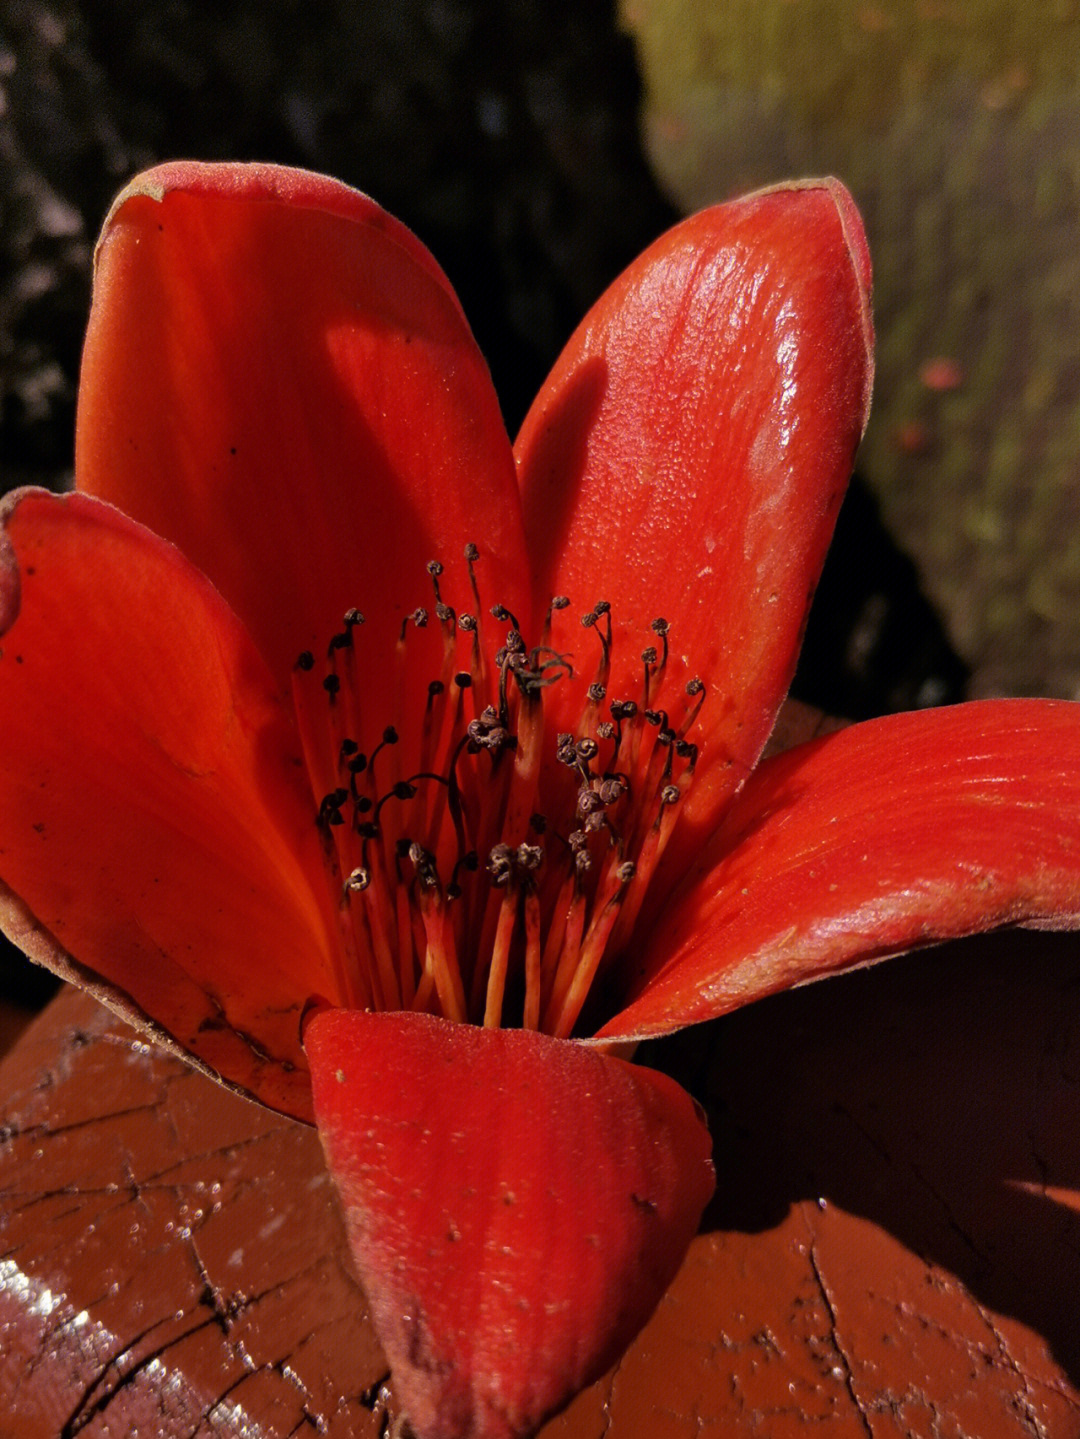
(894, 1249)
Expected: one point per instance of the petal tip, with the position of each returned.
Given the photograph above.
(858, 253)
(851, 223)
(282, 184)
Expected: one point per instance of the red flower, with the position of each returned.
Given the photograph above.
(229, 798)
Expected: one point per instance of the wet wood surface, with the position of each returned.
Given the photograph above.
(894, 1249)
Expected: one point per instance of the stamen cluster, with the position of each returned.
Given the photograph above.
(495, 877)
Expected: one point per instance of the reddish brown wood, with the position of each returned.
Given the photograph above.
(894, 1250)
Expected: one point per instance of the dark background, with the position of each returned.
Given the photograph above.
(505, 134)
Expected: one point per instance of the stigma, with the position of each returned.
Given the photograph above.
(485, 869)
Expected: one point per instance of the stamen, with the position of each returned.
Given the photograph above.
(567, 1008)
(555, 900)
(531, 1015)
(440, 959)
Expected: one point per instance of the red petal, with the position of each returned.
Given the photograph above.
(157, 841)
(877, 839)
(516, 1206)
(278, 379)
(687, 456)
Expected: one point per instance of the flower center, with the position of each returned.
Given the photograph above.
(492, 875)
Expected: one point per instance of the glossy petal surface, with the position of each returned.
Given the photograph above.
(156, 835)
(876, 839)
(516, 1206)
(278, 379)
(687, 456)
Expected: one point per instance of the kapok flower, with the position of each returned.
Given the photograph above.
(375, 764)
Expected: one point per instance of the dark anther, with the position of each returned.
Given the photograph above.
(529, 856)
(467, 623)
(353, 617)
(403, 790)
(463, 680)
(332, 801)
(472, 554)
(363, 804)
(424, 864)
(589, 620)
(582, 861)
(444, 612)
(695, 686)
(389, 735)
(560, 602)
(348, 747)
(623, 709)
(578, 840)
(659, 626)
(603, 607)
(538, 823)
(331, 684)
(500, 863)
(587, 749)
(649, 655)
(685, 750)
(655, 717)
(596, 693)
(610, 790)
(515, 645)
(605, 730)
(358, 763)
(368, 830)
(626, 872)
(342, 641)
(434, 568)
(502, 614)
(305, 661)
(358, 880)
(588, 802)
(436, 687)
(665, 736)
(566, 750)
(669, 794)
(419, 617)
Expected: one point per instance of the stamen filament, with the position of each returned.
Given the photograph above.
(500, 956)
(531, 1017)
(440, 958)
(591, 953)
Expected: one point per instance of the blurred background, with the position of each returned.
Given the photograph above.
(537, 145)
